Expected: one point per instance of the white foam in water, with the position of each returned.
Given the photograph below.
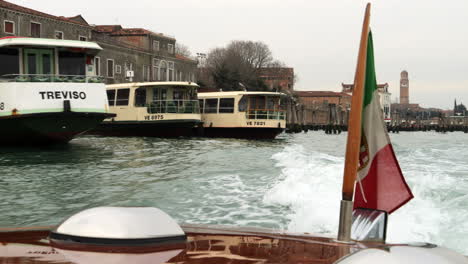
(311, 183)
(311, 187)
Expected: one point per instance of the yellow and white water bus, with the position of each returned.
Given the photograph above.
(49, 92)
(242, 114)
(153, 109)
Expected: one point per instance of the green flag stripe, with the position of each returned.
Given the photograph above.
(371, 81)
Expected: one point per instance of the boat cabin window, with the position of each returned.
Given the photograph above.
(159, 94)
(39, 61)
(111, 97)
(72, 63)
(193, 94)
(9, 61)
(243, 104)
(265, 107)
(257, 102)
(226, 105)
(178, 94)
(122, 97)
(202, 105)
(211, 105)
(272, 102)
(140, 96)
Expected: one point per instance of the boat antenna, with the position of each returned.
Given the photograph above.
(354, 137)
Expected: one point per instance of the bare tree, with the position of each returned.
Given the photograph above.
(183, 50)
(236, 66)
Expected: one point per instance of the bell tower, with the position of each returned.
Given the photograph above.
(404, 88)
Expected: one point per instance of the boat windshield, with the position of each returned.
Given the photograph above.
(262, 107)
(46, 65)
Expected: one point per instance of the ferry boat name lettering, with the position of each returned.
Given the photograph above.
(63, 95)
(154, 117)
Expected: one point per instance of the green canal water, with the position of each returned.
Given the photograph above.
(291, 183)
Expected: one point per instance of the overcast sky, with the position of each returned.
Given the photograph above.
(319, 39)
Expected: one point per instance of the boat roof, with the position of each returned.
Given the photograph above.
(143, 84)
(42, 42)
(237, 93)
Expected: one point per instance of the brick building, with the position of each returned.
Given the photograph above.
(385, 98)
(130, 54)
(324, 107)
(278, 79)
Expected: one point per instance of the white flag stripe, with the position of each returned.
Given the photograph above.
(374, 130)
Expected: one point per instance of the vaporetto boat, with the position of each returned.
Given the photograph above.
(242, 114)
(49, 92)
(153, 109)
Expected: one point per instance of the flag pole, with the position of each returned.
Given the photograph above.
(354, 136)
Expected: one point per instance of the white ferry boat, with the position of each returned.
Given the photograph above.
(48, 90)
(241, 114)
(152, 109)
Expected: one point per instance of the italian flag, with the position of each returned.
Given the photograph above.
(380, 183)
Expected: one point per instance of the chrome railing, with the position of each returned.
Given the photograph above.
(266, 114)
(174, 106)
(51, 78)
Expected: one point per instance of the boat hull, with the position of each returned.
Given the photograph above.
(215, 244)
(242, 132)
(47, 128)
(159, 128)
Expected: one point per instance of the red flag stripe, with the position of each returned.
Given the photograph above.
(384, 186)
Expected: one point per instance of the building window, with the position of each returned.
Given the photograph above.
(58, 35)
(170, 48)
(110, 68)
(97, 65)
(118, 69)
(155, 45)
(146, 73)
(9, 27)
(170, 66)
(163, 71)
(35, 30)
(155, 70)
(83, 38)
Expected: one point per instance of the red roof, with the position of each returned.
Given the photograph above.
(321, 94)
(137, 32)
(352, 85)
(182, 57)
(107, 28)
(131, 31)
(10, 6)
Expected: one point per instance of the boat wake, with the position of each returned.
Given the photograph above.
(311, 181)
